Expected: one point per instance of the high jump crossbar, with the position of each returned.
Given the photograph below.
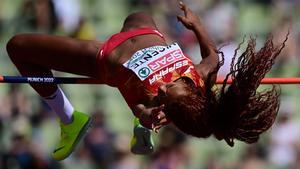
(83, 80)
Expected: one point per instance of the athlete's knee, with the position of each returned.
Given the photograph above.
(15, 45)
(139, 18)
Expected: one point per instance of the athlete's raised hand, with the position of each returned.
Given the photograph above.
(190, 20)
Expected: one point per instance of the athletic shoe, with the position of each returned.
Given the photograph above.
(71, 134)
(141, 142)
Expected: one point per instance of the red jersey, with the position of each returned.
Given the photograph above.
(154, 66)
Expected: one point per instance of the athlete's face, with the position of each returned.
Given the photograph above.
(173, 90)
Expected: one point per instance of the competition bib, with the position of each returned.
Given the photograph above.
(156, 61)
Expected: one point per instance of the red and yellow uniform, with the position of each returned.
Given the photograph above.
(148, 68)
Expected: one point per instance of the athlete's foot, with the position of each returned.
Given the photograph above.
(71, 134)
(141, 142)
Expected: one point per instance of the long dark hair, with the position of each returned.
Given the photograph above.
(242, 112)
(236, 111)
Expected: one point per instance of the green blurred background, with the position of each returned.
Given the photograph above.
(28, 128)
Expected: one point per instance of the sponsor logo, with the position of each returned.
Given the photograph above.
(144, 72)
(153, 61)
(146, 55)
(166, 60)
(167, 70)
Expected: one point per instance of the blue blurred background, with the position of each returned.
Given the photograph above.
(29, 130)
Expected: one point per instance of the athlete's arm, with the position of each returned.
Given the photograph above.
(208, 49)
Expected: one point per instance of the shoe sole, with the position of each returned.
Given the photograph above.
(81, 134)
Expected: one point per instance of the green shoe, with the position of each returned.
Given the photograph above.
(71, 134)
(141, 142)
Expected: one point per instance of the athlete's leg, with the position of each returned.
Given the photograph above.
(37, 55)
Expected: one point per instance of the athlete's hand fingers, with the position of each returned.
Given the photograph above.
(182, 19)
(157, 110)
(156, 128)
(184, 8)
(187, 18)
(162, 120)
(158, 117)
(160, 124)
(185, 21)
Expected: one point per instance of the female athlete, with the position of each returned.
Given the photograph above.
(159, 82)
